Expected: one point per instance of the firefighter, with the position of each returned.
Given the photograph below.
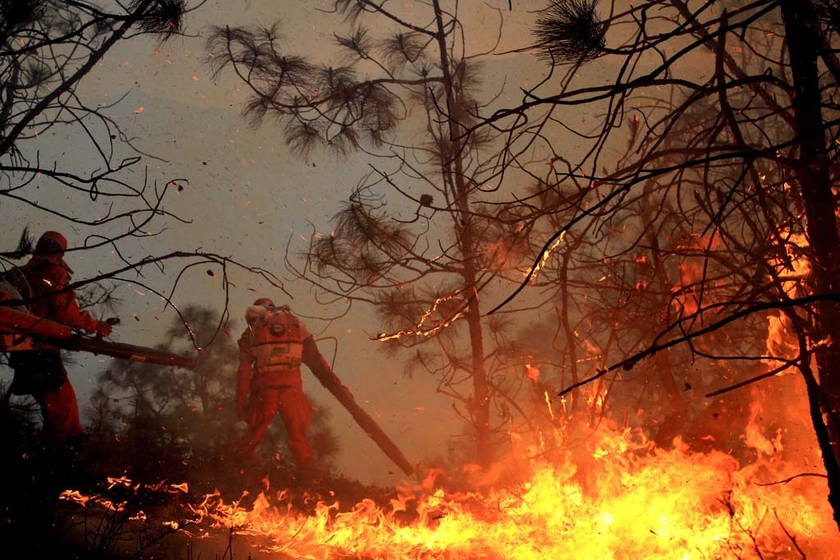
(271, 349)
(40, 372)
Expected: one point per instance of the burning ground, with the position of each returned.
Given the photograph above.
(607, 492)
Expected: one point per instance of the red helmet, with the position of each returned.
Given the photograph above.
(51, 242)
(264, 302)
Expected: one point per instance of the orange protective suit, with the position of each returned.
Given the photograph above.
(269, 379)
(40, 372)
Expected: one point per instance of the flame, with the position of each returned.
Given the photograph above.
(534, 270)
(796, 267)
(627, 500)
(548, 405)
(692, 271)
(755, 438)
(418, 329)
(615, 496)
(532, 372)
(604, 493)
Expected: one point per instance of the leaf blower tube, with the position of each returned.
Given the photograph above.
(17, 324)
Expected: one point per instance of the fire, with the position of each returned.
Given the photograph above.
(623, 498)
(615, 496)
(607, 492)
(534, 270)
(796, 268)
(420, 329)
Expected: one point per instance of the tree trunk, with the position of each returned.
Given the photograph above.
(815, 181)
(480, 403)
(675, 407)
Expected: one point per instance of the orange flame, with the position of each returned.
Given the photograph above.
(418, 330)
(616, 496)
(534, 270)
(628, 500)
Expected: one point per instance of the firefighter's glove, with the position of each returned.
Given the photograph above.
(103, 328)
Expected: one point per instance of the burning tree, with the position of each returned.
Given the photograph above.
(425, 258)
(717, 222)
